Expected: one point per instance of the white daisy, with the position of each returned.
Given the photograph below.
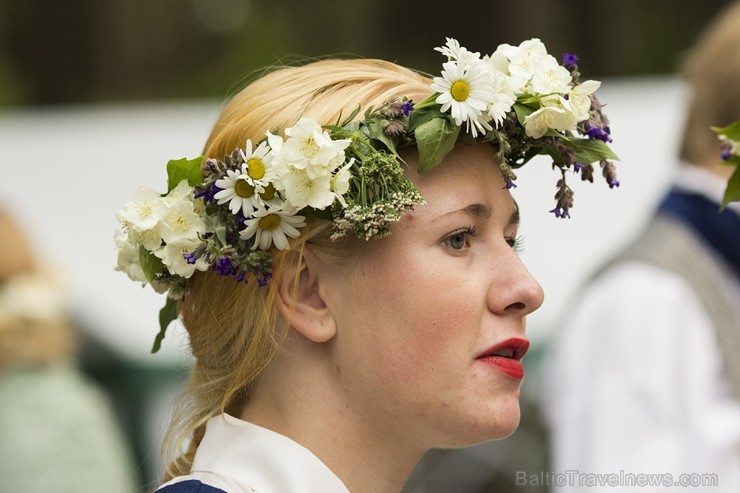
(257, 163)
(240, 191)
(466, 92)
(270, 226)
(454, 52)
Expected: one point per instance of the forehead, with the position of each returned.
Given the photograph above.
(468, 175)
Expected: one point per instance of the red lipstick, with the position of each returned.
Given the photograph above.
(506, 357)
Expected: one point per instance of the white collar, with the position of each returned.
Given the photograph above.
(263, 459)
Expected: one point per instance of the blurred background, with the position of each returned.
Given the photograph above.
(95, 97)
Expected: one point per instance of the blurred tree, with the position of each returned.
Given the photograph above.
(65, 51)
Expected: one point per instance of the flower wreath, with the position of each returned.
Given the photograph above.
(226, 214)
(730, 137)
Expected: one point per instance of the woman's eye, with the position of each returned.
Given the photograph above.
(459, 240)
(515, 242)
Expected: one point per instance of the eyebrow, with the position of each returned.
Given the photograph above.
(479, 210)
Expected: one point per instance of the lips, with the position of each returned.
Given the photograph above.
(506, 356)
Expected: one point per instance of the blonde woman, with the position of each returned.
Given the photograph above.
(350, 283)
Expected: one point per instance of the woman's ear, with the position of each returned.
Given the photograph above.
(301, 297)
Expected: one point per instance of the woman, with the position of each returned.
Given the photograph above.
(387, 316)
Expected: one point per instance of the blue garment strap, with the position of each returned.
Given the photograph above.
(189, 486)
(719, 230)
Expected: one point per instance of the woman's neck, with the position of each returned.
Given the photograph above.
(301, 402)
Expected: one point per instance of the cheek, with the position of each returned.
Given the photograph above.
(420, 319)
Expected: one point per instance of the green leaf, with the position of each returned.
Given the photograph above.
(418, 118)
(522, 112)
(589, 151)
(375, 132)
(434, 139)
(167, 314)
(150, 264)
(732, 193)
(732, 131)
(183, 169)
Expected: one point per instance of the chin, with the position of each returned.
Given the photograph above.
(495, 424)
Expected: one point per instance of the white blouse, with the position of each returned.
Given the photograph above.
(240, 457)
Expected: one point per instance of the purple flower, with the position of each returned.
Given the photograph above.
(726, 152)
(578, 167)
(262, 278)
(560, 212)
(593, 132)
(509, 185)
(206, 191)
(407, 107)
(190, 258)
(224, 267)
(613, 182)
(570, 60)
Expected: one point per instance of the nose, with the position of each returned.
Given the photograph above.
(513, 290)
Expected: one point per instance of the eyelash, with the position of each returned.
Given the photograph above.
(515, 242)
(467, 232)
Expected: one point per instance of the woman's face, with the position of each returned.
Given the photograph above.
(429, 304)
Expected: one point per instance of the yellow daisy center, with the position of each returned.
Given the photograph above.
(243, 189)
(460, 90)
(269, 192)
(255, 168)
(270, 222)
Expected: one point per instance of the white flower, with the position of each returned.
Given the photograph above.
(549, 76)
(150, 239)
(580, 98)
(240, 191)
(270, 226)
(467, 93)
(301, 190)
(503, 98)
(182, 223)
(524, 59)
(145, 211)
(128, 258)
(549, 117)
(340, 182)
(180, 192)
(734, 146)
(257, 163)
(310, 148)
(173, 257)
(454, 52)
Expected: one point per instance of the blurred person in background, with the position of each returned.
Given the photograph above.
(57, 432)
(645, 375)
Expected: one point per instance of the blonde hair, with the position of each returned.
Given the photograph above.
(712, 70)
(234, 328)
